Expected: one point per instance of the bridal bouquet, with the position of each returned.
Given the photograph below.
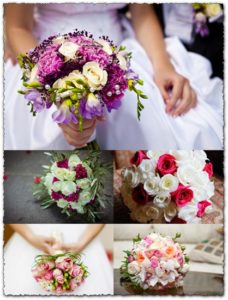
(168, 187)
(59, 273)
(206, 13)
(74, 185)
(80, 75)
(155, 262)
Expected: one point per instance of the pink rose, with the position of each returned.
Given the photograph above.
(166, 164)
(48, 275)
(64, 263)
(154, 262)
(47, 266)
(138, 157)
(73, 284)
(202, 205)
(59, 289)
(182, 196)
(209, 169)
(58, 275)
(139, 195)
(75, 271)
(148, 240)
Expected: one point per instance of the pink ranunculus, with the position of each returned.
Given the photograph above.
(75, 271)
(58, 275)
(182, 196)
(202, 205)
(209, 169)
(138, 157)
(154, 262)
(166, 164)
(64, 263)
(49, 275)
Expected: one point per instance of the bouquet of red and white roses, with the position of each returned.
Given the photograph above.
(75, 185)
(80, 75)
(168, 187)
(59, 273)
(155, 262)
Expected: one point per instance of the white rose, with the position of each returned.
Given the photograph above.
(59, 173)
(68, 50)
(154, 155)
(213, 10)
(182, 156)
(146, 168)
(69, 175)
(122, 61)
(133, 268)
(33, 74)
(131, 177)
(74, 160)
(85, 197)
(96, 76)
(48, 180)
(186, 174)
(162, 199)
(68, 187)
(169, 183)
(59, 40)
(188, 213)
(105, 46)
(84, 183)
(151, 185)
(57, 186)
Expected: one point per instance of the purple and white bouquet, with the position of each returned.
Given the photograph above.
(80, 75)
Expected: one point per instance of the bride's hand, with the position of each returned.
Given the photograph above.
(42, 243)
(176, 91)
(73, 247)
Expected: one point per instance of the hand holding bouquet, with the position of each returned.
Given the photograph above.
(74, 185)
(59, 273)
(80, 75)
(155, 262)
(165, 187)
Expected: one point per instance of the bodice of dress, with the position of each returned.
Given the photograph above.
(99, 19)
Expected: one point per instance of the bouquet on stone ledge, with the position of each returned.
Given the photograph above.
(82, 76)
(155, 263)
(168, 187)
(59, 273)
(76, 186)
(205, 13)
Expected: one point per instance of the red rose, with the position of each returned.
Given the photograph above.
(209, 169)
(37, 180)
(138, 157)
(182, 196)
(166, 164)
(202, 205)
(139, 195)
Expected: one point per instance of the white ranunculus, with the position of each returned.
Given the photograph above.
(133, 268)
(105, 46)
(92, 101)
(68, 50)
(69, 175)
(169, 183)
(186, 174)
(74, 160)
(34, 74)
(122, 61)
(59, 173)
(85, 197)
(96, 76)
(84, 183)
(162, 199)
(59, 40)
(57, 186)
(151, 185)
(68, 187)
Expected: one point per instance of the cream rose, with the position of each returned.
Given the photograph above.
(151, 185)
(162, 199)
(72, 77)
(213, 10)
(96, 76)
(68, 50)
(169, 183)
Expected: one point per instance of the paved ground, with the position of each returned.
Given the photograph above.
(19, 204)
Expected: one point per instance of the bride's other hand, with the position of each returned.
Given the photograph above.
(176, 91)
(73, 247)
(148, 32)
(77, 138)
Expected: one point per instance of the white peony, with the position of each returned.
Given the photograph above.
(68, 50)
(169, 183)
(96, 76)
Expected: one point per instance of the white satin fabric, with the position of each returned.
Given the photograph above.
(200, 128)
(19, 257)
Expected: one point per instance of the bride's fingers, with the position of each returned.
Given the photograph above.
(163, 91)
(186, 102)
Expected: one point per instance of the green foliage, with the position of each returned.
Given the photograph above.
(137, 239)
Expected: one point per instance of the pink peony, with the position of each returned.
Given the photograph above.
(64, 263)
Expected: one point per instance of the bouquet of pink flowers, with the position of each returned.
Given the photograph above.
(59, 273)
(80, 75)
(155, 262)
(75, 185)
(205, 13)
(168, 187)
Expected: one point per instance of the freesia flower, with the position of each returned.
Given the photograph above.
(35, 98)
(64, 115)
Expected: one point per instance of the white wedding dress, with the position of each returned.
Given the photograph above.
(200, 128)
(19, 257)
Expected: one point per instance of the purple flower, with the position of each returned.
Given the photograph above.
(81, 40)
(93, 53)
(56, 195)
(62, 164)
(49, 64)
(64, 115)
(89, 111)
(35, 97)
(72, 197)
